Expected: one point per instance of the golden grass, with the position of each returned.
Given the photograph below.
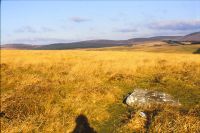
(156, 46)
(44, 91)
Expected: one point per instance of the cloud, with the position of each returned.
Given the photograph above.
(176, 25)
(26, 29)
(126, 30)
(46, 29)
(29, 29)
(79, 19)
(39, 40)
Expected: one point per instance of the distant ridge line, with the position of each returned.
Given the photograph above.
(193, 37)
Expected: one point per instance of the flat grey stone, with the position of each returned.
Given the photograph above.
(147, 97)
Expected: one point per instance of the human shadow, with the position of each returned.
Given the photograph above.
(82, 125)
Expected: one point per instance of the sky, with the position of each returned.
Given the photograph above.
(51, 21)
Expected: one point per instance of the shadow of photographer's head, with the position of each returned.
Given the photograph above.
(82, 125)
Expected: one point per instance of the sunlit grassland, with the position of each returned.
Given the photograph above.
(44, 91)
(159, 47)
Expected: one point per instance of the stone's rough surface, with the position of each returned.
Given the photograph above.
(142, 114)
(145, 97)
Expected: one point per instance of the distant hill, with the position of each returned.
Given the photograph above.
(19, 46)
(156, 38)
(103, 43)
(83, 44)
(194, 37)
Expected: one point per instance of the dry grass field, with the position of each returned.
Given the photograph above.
(156, 46)
(45, 91)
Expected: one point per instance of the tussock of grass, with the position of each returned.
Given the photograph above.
(44, 91)
(162, 119)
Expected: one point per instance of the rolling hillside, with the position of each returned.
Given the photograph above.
(19, 46)
(155, 46)
(193, 38)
